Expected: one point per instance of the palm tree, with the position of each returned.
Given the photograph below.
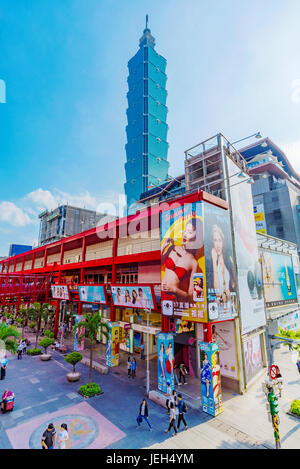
(92, 324)
(8, 335)
(37, 312)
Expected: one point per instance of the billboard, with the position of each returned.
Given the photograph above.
(211, 393)
(253, 357)
(60, 292)
(133, 296)
(219, 265)
(224, 334)
(92, 294)
(182, 261)
(278, 279)
(165, 362)
(252, 310)
(112, 345)
(259, 217)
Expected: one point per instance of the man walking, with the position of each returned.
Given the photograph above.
(48, 437)
(298, 364)
(133, 367)
(20, 350)
(181, 411)
(143, 414)
(3, 362)
(182, 373)
(142, 352)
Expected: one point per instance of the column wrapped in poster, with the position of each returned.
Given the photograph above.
(211, 393)
(165, 362)
(79, 332)
(112, 345)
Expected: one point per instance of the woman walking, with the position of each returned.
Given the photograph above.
(172, 421)
(129, 366)
(143, 414)
(63, 436)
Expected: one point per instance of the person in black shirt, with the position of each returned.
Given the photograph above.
(48, 438)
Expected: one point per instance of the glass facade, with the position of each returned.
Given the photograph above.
(147, 147)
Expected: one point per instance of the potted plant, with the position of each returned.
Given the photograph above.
(73, 358)
(45, 343)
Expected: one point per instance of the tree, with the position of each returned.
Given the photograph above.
(92, 324)
(8, 335)
(45, 343)
(37, 312)
(21, 319)
(73, 358)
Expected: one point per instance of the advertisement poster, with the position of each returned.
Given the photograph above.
(211, 393)
(278, 279)
(113, 345)
(220, 271)
(253, 357)
(223, 333)
(79, 346)
(248, 267)
(290, 322)
(60, 292)
(135, 296)
(182, 261)
(92, 293)
(165, 361)
(259, 217)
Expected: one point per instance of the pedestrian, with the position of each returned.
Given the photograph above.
(48, 437)
(143, 414)
(63, 436)
(175, 375)
(24, 346)
(20, 350)
(298, 364)
(4, 363)
(181, 406)
(173, 400)
(182, 373)
(142, 352)
(172, 421)
(133, 367)
(129, 367)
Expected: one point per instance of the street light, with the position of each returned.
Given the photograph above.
(256, 135)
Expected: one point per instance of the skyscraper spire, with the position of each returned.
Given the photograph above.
(147, 19)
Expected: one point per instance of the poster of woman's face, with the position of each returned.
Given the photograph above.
(220, 271)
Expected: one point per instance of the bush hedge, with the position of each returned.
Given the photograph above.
(34, 351)
(295, 407)
(91, 391)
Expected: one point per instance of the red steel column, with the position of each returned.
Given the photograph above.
(56, 318)
(114, 269)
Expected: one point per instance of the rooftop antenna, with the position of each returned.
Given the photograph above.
(147, 19)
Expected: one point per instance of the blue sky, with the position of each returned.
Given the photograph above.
(233, 66)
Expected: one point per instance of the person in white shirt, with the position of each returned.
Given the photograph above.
(63, 436)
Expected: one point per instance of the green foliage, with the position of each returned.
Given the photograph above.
(90, 389)
(32, 325)
(34, 351)
(73, 358)
(49, 334)
(295, 407)
(45, 343)
(9, 334)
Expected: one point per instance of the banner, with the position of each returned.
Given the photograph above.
(182, 261)
(278, 279)
(224, 334)
(92, 294)
(219, 266)
(134, 296)
(253, 357)
(211, 393)
(112, 345)
(165, 362)
(248, 268)
(60, 292)
(79, 346)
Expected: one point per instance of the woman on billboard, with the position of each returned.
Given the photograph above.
(180, 261)
(222, 266)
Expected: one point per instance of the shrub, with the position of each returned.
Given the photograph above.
(32, 325)
(73, 358)
(45, 343)
(34, 351)
(295, 407)
(91, 390)
(49, 334)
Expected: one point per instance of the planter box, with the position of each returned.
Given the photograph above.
(88, 397)
(293, 415)
(72, 377)
(45, 357)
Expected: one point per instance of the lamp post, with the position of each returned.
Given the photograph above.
(256, 135)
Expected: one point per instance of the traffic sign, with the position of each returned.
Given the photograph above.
(273, 372)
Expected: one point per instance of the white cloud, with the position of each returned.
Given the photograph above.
(12, 214)
(42, 199)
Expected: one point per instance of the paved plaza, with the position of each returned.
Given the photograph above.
(44, 395)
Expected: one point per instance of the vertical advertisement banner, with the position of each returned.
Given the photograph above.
(278, 279)
(224, 334)
(182, 261)
(79, 345)
(219, 265)
(211, 393)
(165, 362)
(113, 345)
(253, 357)
(248, 268)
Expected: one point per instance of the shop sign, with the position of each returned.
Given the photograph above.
(133, 296)
(92, 294)
(60, 292)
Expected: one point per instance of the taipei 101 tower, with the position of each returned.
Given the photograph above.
(147, 147)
